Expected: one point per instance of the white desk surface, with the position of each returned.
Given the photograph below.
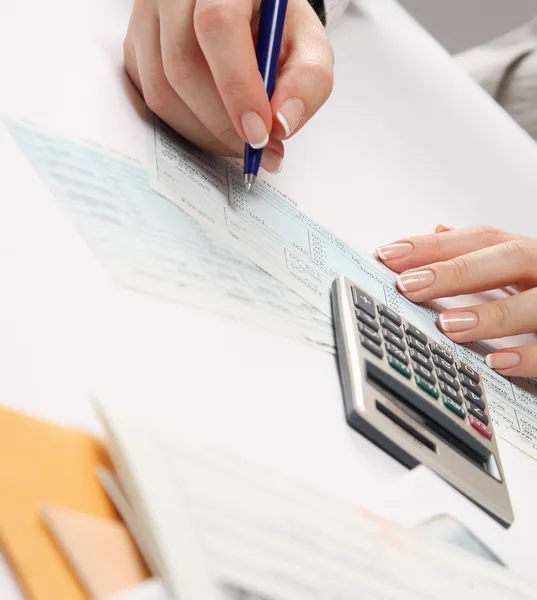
(405, 142)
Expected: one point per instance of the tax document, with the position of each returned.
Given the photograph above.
(147, 244)
(269, 229)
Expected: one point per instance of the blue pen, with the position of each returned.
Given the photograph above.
(269, 41)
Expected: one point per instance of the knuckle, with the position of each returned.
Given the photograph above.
(213, 16)
(461, 268)
(180, 62)
(521, 251)
(500, 316)
(229, 137)
(320, 74)
(157, 95)
(237, 86)
(486, 234)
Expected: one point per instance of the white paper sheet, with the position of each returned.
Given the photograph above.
(269, 229)
(228, 529)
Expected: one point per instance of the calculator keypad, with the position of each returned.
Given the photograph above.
(432, 368)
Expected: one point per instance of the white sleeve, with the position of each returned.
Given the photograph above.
(507, 69)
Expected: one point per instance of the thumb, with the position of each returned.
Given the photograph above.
(306, 75)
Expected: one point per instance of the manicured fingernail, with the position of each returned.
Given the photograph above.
(503, 360)
(458, 321)
(442, 229)
(290, 114)
(271, 161)
(392, 251)
(414, 281)
(255, 129)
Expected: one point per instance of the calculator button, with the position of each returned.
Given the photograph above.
(469, 384)
(427, 387)
(418, 357)
(423, 372)
(454, 407)
(481, 427)
(398, 354)
(451, 381)
(371, 346)
(417, 345)
(479, 414)
(393, 339)
(444, 365)
(387, 324)
(416, 333)
(372, 335)
(473, 398)
(439, 351)
(390, 314)
(367, 320)
(398, 366)
(450, 392)
(364, 302)
(469, 372)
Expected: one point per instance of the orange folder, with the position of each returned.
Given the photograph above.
(44, 464)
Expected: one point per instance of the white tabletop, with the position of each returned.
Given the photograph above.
(405, 142)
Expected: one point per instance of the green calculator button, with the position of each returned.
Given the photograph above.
(427, 387)
(454, 407)
(399, 366)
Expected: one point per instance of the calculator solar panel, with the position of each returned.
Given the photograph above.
(413, 398)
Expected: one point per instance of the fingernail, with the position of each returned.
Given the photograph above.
(392, 251)
(442, 229)
(503, 360)
(414, 281)
(272, 161)
(458, 321)
(290, 114)
(255, 129)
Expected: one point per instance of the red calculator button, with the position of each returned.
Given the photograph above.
(481, 427)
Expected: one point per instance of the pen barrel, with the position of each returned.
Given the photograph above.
(271, 23)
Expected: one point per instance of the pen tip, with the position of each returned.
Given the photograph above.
(248, 186)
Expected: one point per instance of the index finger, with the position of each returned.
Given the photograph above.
(225, 36)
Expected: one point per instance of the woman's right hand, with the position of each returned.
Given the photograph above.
(194, 62)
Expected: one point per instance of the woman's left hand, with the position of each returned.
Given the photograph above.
(466, 261)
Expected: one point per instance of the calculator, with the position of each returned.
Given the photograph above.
(410, 396)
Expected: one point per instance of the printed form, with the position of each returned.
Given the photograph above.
(254, 257)
(269, 229)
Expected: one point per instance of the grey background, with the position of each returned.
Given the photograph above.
(461, 24)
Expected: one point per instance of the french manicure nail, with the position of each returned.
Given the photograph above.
(392, 251)
(414, 281)
(290, 114)
(255, 129)
(503, 360)
(458, 321)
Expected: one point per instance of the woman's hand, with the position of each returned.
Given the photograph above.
(464, 261)
(194, 62)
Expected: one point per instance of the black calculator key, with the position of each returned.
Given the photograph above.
(390, 314)
(473, 398)
(416, 333)
(419, 357)
(364, 302)
(393, 339)
(427, 387)
(450, 392)
(454, 407)
(372, 335)
(446, 377)
(371, 346)
(469, 384)
(444, 365)
(417, 345)
(399, 354)
(469, 372)
(387, 324)
(442, 353)
(423, 372)
(367, 320)
(479, 414)
(399, 366)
